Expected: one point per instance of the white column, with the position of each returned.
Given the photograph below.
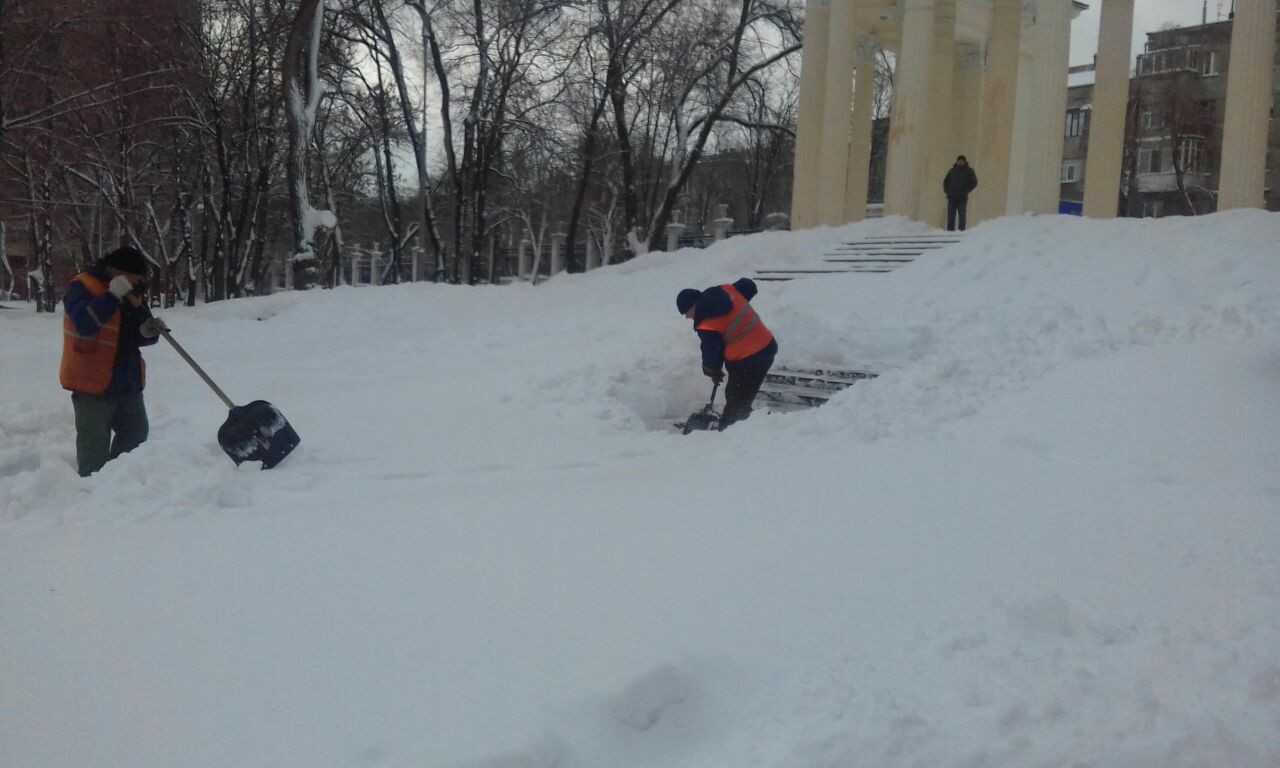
(1244, 137)
(942, 140)
(813, 72)
(968, 112)
(593, 255)
(999, 97)
(1023, 109)
(834, 153)
(909, 127)
(1051, 57)
(374, 277)
(858, 166)
(1110, 102)
(355, 267)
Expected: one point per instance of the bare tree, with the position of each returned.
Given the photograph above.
(598, 113)
(301, 80)
(740, 53)
(428, 228)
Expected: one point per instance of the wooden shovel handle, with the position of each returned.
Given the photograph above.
(135, 301)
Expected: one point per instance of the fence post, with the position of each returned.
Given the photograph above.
(720, 227)
(373, 265)
(775, 221)
(7, 285)
(593, 256)
(673, 232)
(522, 263)
(557, 252)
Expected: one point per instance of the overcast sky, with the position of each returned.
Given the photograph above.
(1148, 16)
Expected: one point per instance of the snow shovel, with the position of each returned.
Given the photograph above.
(254, 432)
(705, 419)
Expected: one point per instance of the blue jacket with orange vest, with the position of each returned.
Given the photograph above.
(88, 313)
(716, 303)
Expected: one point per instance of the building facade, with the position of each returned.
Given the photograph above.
(980, 78)
(1175, 122)
(83, 84)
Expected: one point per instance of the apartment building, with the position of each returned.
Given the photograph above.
(1174, 124)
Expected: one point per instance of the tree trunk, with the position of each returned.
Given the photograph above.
(588, 157)
(302, 94)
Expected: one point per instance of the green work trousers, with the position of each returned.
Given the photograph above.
(97, 418)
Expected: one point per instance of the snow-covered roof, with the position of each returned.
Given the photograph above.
(1077, 79)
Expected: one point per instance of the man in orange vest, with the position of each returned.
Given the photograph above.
(104, 327)
(732, 336)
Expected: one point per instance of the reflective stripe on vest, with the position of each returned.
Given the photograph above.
(743, 323)
(744, 333)
(88, 361)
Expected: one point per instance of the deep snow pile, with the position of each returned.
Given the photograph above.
(1048, 534)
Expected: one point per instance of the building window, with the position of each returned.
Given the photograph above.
(1175, 59)
(1191, 155)
(1152, 119)
(1149, 160)
(1071, 171)
(1209, 63)
(1075, 123)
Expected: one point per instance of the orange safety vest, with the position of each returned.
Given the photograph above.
(88, 361)
(744, 334)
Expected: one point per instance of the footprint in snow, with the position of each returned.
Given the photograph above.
(644, 702)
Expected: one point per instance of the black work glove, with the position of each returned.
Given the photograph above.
(716, 376)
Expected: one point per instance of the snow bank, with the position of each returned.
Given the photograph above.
(1046, 535)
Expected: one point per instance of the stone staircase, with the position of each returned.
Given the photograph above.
(788, 389)
(873, 255)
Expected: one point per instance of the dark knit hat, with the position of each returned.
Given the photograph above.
(126, 260)
(687, 298)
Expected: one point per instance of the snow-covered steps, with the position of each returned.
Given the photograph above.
(793, 388)
(874, 255)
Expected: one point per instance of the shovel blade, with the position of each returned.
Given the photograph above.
(257, 432)
(701, 421)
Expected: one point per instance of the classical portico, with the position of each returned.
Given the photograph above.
(988, 79)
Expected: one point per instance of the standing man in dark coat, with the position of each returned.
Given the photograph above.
(105, 326)
(732, 337)
(960, 181)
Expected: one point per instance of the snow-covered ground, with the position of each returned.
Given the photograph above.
(1047, 535)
